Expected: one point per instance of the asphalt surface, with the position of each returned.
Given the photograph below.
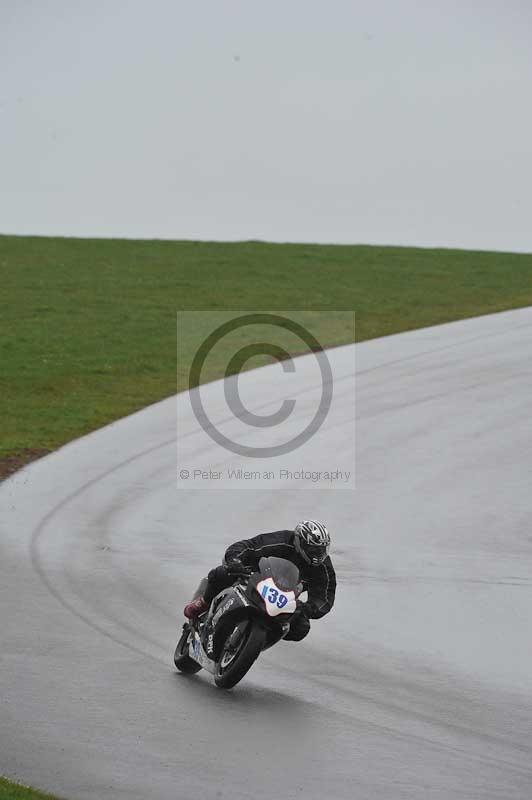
(417, 685)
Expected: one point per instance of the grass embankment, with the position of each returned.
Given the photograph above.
(13, 791)
(88, 327)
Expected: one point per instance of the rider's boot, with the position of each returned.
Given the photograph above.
(195, 608)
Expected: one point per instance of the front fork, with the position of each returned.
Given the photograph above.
(274, 635)
(231, 644)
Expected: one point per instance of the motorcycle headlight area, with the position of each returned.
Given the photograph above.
(276, 601)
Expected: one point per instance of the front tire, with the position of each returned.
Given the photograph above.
(182, 660)
(232, 666)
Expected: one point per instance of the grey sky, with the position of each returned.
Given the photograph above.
(387, 122)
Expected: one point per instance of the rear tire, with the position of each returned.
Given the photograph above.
(182, 660)
(228, 676)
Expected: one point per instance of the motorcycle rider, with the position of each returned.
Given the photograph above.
(307, 546)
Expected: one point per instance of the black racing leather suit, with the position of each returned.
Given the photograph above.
(319, 582)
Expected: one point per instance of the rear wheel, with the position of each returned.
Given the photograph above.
(240, 651)
(182, 659)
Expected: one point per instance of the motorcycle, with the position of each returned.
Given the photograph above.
(243, 620)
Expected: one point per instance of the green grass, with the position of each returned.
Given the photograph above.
(14, 791)
(88, 327)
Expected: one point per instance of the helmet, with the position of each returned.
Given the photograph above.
(312, 540)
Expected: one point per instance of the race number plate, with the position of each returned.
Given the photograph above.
(276, 601)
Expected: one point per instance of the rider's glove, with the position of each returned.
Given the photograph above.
(236, 567)
(218, 574)
(302, 609)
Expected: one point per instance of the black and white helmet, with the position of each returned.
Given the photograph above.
(312, 541)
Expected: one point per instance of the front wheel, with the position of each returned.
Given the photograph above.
(182, 659)
(240, 651)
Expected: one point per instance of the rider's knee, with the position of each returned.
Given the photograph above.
(202, 588)
(299, 628)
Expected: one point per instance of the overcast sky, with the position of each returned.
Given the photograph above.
(383, 121)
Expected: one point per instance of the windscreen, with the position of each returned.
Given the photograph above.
(284, 573)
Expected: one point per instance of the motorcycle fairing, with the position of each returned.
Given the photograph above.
(228, 608)
(197, 653)
(275, 600)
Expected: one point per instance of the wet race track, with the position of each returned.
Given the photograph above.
(417, 685)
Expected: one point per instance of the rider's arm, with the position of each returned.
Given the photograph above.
(250, 551)
(321, 591)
